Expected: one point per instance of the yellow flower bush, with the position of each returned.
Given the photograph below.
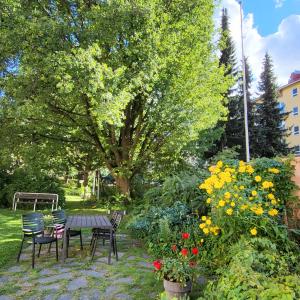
(241, 193)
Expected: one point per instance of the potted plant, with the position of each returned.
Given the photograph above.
(177, 267)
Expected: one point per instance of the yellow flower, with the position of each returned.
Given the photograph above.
(253, 231)
(242, 187)
(202, 225)
(258, 211)
(235, 195)
(232, 203)
(254, 193)
(209, 191)
(244, 207)
(222, 203)
(271, 196)
(267, 184)
(274, 202)
(229, 211)
(211, 169)
(257, 178)
(202, 241)
(205, 230)
(208, 222)
(250, 169)
(250, 198)
(203, 218)
(208, 200)
(227, 195)
(273, 212)
(273, 170)
(242, 169)
(220, 164)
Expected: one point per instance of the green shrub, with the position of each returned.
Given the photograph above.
(256, 270)
(146, 225)
(22, 180)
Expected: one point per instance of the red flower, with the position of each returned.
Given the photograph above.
(157, 265)
(195, 251)
(192, 264)
(184, 252)
(174, 247)
(185, 235)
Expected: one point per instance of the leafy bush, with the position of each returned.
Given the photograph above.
(181, 187)
(147, 224)
(22, 180)
(256, 270)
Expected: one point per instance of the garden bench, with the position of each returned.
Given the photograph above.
(35, 198)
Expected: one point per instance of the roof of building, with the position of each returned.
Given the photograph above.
(287, 85)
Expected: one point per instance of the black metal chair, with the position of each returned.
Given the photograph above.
(59, 222)
(104, 234)
(33, 229)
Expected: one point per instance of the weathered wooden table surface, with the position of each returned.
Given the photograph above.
(81, 221)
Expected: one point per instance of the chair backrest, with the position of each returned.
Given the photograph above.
(59, 217)
(117, 221)
(33, 223)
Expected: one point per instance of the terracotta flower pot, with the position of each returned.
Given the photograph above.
(177, 290)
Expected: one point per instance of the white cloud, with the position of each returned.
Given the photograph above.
(283, 45)
(279, 3)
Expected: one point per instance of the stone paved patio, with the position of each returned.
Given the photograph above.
(79, 278)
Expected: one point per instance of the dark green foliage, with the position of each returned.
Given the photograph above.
(22, 180)
(269, 134)
(147, 224)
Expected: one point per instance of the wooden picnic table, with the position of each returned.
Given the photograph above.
(81, 221)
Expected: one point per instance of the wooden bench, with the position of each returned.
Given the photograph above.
(35, 198)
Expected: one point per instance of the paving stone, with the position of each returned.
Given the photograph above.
(94, 274)
(111, 290)
(77, 283)
(127, 280)
(55, 278)
(55, 286)
(15, 269)
(3, 297)
(131, 257)
(66, 297)
(49, 297)
(4, 279)
(95, 294)
(47, 272)
(145, 264)
(123, 297)
(121, 254)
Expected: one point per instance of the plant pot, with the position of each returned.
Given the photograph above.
(177, 290)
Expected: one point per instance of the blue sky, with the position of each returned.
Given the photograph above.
(271, 26)
(268, 14)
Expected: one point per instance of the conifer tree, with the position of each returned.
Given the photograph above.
(269, 133)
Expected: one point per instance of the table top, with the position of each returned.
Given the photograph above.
(81, 221)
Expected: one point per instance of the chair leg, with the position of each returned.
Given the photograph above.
(94, 247)
(39, 250)
(19, 254)
(33, 252)
(116, 249)
(56, 244)
(92, 243)
(49, 249)
(81, 245)
(68, 243)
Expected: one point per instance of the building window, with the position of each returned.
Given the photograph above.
(294, 92)
(295, 111)
(297, 150)
(296, 130)
(282, 125)
(281, 107)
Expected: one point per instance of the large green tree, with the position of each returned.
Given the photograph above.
(269, 133)
(133, 80)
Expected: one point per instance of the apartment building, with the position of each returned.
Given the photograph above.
(289, 101)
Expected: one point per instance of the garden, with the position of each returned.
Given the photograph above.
(124, 171)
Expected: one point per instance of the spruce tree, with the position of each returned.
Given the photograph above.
(269, 133)
(228, 61)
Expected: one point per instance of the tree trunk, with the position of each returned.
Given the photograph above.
(85, 183)
(123, 185)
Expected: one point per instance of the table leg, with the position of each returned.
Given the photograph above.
(64, 251)
(110, 244)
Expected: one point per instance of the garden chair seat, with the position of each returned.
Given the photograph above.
(44, 239)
